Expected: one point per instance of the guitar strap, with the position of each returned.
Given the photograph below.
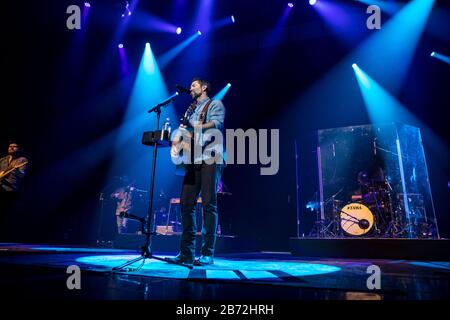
(205, 112)
(182, 168)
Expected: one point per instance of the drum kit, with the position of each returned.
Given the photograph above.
(372, 212)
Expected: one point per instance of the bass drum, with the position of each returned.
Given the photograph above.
(356, 219)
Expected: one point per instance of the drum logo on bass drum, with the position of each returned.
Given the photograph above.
(354, 207)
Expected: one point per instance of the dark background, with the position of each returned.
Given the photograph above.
(55, 102)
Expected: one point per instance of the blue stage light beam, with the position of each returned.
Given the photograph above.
(395, 45)
(335, 99)
(75, 55)
(149, 89)
(382, 107)
(85, 14)
(202, 24)
(124, 65)
(345, 20)
(101, 72)
(221, 94)
(144, 21)
(275, 36)
(388, 65)
(203, 20)
(91, 155)
(390, 7)
(223, 22)
(170, 55)
(441, 57)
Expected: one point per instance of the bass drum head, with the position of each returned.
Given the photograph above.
(356, 219)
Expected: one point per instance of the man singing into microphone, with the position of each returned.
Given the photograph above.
(201, 177)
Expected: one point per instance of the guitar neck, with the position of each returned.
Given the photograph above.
(8, 171)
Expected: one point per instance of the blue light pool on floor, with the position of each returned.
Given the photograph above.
(223, 269)
(66, 249)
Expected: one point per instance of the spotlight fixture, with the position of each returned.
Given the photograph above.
(354, 65)
(199, 32)
(127, 9)
(290, 5)
(228, 84)
(232, 19)
(312, 2)
(120, 45)
(179, 30)
(432, 54)
(87, 4)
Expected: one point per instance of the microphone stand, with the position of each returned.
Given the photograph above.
(146, 251)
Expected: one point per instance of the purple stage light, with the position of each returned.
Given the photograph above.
(433, 53)
(232, 19)
(179, 30)
(120, 45)
(290, 5)
(127, 10)
(199, 32)
(312, 2)
(87, 4)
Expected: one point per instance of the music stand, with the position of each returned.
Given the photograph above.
(156, 139)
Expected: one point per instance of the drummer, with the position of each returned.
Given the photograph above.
(363, 189)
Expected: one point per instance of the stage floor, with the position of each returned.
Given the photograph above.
(39, 272)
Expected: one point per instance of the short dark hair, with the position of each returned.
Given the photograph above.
(13, 142)
(19, 148)
(203, 82)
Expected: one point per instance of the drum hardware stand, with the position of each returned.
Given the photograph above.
(378, 219)
(331, 229)
(335, 221)
(155, 141)
(320, 228)
(102, 207)
(393, 229)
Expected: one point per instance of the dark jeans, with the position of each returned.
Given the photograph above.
(8, 220)
(202, 178)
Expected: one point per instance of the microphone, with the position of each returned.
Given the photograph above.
(182, 89)
(123, 214)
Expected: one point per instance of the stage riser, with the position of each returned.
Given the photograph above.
(163, 243)
(404, 249)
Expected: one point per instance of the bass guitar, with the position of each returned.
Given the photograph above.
(4, 173)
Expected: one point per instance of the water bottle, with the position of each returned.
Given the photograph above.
(166, 128)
